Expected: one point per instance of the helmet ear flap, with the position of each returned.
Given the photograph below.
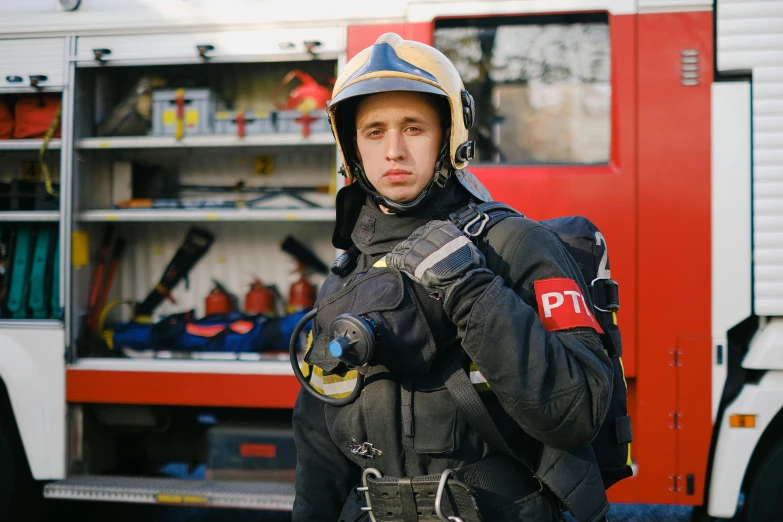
(468, 109)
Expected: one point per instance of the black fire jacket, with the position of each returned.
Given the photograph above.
(548, 390)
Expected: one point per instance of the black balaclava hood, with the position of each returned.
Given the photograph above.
(361, 222)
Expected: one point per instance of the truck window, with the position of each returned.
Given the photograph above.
(541, 86)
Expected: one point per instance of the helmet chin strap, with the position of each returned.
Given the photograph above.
(395, 207)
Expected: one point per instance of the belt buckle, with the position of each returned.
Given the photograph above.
(366, 489)
(444, 477)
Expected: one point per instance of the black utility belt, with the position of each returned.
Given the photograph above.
(427, 498)
(452, 496)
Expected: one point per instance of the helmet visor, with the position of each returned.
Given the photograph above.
(379, 85)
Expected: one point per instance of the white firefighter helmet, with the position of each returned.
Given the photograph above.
(394, 64)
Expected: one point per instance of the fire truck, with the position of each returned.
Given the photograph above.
(659, 120)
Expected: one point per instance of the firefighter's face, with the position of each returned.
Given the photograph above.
(398, 137)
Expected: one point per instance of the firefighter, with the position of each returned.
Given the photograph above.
(513, 312)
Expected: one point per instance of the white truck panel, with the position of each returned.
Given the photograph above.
(25, 57)
(144, 16)
(749, 40)
(668, 6)
(766, 348)
(228, 45)
(32, 366)
(731, 220)
(427, 10)
(735, 445)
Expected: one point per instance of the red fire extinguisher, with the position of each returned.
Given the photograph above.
(260, 299)
(219, 301)
(301, 295)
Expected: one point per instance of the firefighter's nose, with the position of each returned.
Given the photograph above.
(395, 147)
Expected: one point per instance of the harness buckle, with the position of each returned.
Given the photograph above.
(604, 294)
(444, 477)
(481, 219)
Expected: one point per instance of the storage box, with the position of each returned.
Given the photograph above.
(286, 122)
(256, 122)
(250, 453)
(198, 116)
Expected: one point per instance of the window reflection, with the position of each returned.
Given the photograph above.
(542, 89)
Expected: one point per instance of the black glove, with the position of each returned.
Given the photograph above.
(439, 256)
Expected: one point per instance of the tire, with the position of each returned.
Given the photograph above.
(763, 499)
(21, 498)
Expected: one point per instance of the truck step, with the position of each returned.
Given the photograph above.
(272, 496)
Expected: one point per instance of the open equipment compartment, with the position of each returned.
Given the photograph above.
(238, 153)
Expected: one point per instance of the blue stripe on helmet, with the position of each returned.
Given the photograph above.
(384, 58)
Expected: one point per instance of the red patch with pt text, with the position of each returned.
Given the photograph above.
(561, 305)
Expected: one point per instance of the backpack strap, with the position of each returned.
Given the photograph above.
(476, 219)
(576, 488)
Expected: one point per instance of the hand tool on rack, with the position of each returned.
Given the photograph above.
(97, 279)
(105, 270)
(268, 193)
(6, 240)
(54, 296)
(114, 262)
(196, 244)
(20, 272)
(39, 273)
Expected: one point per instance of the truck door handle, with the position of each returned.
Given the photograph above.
(14, 79)
(204, 49)
(101, 53)
(36, 79)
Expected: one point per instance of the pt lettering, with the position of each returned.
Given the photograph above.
(548, 305)
(552, 300)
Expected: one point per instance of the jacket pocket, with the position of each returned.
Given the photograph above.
(405, 341)
(434, 419)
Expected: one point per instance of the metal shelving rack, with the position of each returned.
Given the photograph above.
(29, 216)
(168, 142)
(256, 374)
(56, 148)
(199, 215)
(11, 145)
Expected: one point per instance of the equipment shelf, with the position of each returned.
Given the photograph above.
(10, 145)
(233, 215)
(52, 324)
(218, 141)
(23, 216)
(231, 383)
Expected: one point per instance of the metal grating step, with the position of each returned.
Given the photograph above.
(273, 496)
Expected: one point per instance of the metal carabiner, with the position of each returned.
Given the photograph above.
(366, 489)
(444, 477)
(482, 218)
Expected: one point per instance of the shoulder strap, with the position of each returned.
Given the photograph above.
(473, 408)
(577, 482)
(476, 219)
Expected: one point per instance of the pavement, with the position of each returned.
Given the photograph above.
(89, 512)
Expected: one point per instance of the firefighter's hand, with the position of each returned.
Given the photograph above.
(439, 256)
